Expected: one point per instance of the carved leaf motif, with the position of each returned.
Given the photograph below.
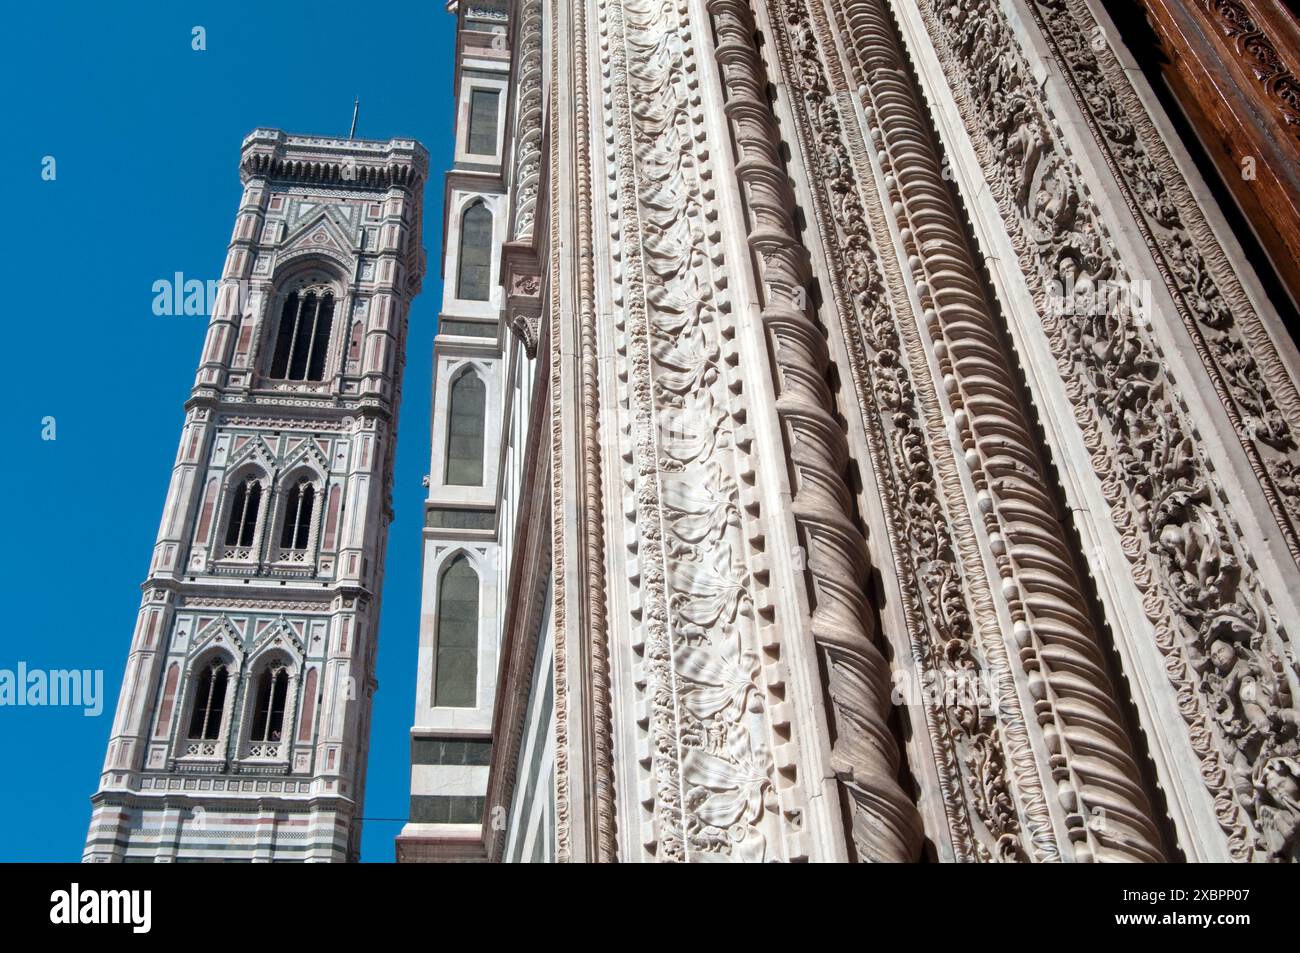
(732, 792)
(720, 684)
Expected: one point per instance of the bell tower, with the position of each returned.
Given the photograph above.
(241, 732)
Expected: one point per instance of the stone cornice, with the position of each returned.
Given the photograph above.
(347, 163)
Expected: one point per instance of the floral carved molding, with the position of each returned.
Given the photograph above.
(1249, 378)
(1059, 649)
(1225, 657)
(938, 565)
(714, 784)
(527, 173)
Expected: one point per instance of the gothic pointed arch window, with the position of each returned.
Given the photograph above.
(245, 504)
(299, 506)
(456, 672)
(474, 269)
(209, 706)
(303, 337)
(466, 413)
(270, 697)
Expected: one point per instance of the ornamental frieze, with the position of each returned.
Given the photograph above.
(1225, 656)
(1248, 375)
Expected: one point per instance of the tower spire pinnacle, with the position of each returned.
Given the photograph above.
(356, 107)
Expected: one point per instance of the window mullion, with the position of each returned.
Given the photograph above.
(203, 725)
(207, 702)
(293, 338)
(311, 336)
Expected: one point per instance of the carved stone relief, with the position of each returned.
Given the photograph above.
(591, 499)
(939, 567)
(884, 823)
(527, 173)
(1226, 656)
(1093, 770)
(559, 562)
(1249, 378)
(705, 657)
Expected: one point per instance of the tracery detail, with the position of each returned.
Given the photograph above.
(937, 555)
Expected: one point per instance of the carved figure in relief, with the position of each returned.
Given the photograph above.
(1212, 303)
(1201, 570)
(1246, 704)
(1252, 706)
(1054, 212)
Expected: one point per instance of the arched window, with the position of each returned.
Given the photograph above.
(209, 702)
(465, 423)
(297, 516)
(243, 513)
(268, 705)
(474, 272)
(304, 337)
(456, 676)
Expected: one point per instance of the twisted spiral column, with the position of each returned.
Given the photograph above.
(885, 823)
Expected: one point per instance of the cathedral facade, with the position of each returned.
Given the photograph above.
(863, 430)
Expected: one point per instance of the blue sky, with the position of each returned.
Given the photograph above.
(145, 132)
